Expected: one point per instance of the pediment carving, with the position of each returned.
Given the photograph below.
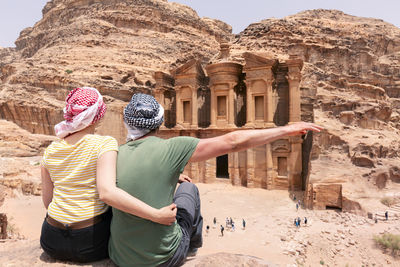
(257, 61)
(281, 145)
(192, 67)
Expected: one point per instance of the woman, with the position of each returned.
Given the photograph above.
(79, 180)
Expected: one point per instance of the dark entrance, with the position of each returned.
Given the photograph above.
(222, 167)
(333, 208)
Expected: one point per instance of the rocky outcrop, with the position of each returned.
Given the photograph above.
(112, 45)
(20, 155)
(7, 55)
(17, 142)
(394, 173)
(350, 76)
(64, 21)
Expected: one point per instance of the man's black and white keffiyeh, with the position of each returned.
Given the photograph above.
(141, 115)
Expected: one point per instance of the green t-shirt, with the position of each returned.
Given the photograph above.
(148, 169)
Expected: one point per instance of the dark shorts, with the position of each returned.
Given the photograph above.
(80, 245)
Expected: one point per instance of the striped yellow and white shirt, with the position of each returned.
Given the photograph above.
(72, 170)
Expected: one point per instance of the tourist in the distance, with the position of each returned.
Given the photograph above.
(149, 167)
(78, 181)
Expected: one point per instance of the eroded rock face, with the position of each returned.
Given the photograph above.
(395, 174)
(17, 142)
(112, 45)
(20, 155)
(381, 179)
(350, 76)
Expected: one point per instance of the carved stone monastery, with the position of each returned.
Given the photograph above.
(226, 96)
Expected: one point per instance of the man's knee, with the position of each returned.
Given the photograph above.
(188, 188)
(187, 197)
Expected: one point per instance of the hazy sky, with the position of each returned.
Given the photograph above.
(15, 15)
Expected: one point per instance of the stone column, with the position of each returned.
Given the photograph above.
(250, 168)
(202, 171)
(231, 118)
(308, 197)
(294, 98)
(213, 122)
(210, 170)
(194, 109)
(295, 163)
(159, 96)
(250, 105)
(234, 158)
(294, 76)
(231, 167)
(179, 108)
(270, 167)
(270, 107)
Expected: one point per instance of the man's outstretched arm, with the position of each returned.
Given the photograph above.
(245, 139)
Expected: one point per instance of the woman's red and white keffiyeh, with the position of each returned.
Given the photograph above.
(84, 106)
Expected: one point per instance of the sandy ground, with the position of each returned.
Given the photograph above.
(330, 238)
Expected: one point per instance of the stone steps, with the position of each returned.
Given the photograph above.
(392, 216)
(397, 209)
(394, 213)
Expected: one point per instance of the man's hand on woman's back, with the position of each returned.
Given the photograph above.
(166, 215)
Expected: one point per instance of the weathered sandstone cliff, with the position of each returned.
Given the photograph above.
(20, 155)
(112, 45)
(350, 80)
(351, 77)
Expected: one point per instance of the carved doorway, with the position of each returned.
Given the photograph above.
(222, 167)
(204, 107)
(170, 108)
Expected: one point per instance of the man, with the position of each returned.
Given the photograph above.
(148, 168)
